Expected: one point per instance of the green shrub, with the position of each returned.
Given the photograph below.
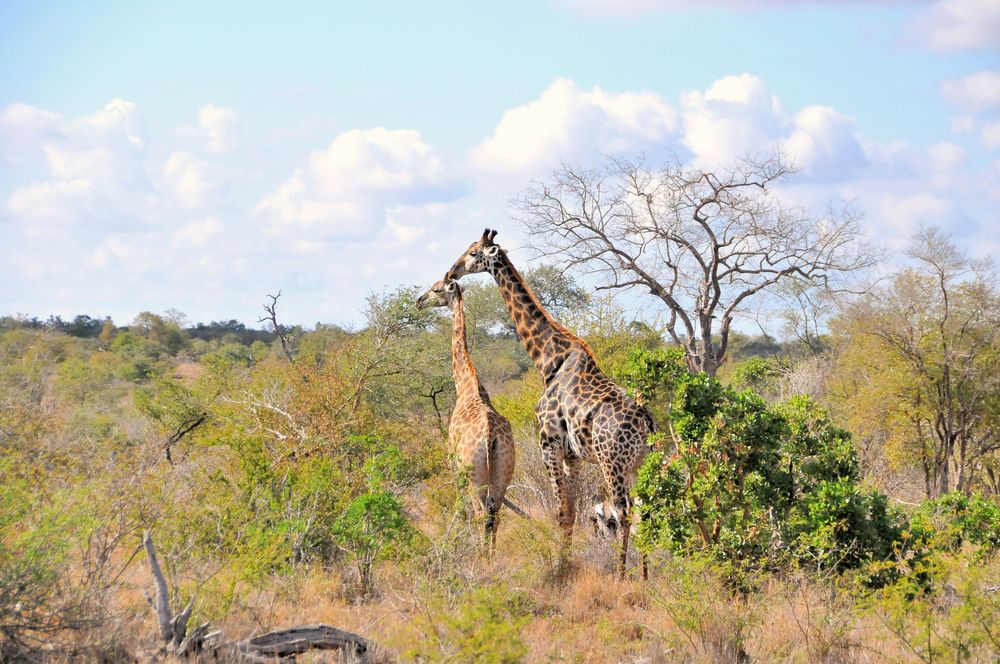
(228, 355)
(837, 524)
(752, 485)
(947, 609)
(39, 533)
(485, 626)
(758, 373)
(373, 525)
(958, 518)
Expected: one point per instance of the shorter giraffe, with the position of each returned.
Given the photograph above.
(478, 436)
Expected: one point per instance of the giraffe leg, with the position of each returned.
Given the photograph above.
(624, 517)
(552, 457)
(571, 471)
(491, 525)
(481, 514)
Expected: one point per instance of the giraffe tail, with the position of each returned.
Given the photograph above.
(515, 509)
(491, 501)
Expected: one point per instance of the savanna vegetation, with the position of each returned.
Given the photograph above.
(829, 494)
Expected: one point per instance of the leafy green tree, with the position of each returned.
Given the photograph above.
(958, 518)
(161, 330)
(919, 366)
(371, 524)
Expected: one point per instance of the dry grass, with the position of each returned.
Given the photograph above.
(579, 613)
(683, 614)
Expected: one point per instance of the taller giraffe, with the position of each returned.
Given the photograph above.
(582, 414)
(478, 436)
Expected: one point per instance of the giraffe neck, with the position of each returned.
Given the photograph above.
(547, 342)
(466, 381)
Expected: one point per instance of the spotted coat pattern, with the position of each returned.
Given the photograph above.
(582, 414)
(479, 438)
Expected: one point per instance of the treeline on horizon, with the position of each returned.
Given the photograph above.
(83, 326)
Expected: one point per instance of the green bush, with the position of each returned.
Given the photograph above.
(485, 626)
(40, 531)
(227, 356)
(373, 525)
(749, 484)
(758, 373)
(957, 518)
(139, 358)
(837, 524)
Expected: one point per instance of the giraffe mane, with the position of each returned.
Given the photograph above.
(559, 327)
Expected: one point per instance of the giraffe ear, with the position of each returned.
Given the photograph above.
(492, 250)
(451, 286)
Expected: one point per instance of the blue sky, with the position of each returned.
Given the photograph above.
(197, 155)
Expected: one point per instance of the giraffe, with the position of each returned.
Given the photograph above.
(582, 414)
(478, 436)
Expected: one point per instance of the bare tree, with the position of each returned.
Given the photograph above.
(703, 243)
(280, 330)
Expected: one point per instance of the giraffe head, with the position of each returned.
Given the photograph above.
(441, 294)
(479, 257)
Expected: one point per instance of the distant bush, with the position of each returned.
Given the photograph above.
(139, 358)
(227, 355)
(958, 518)
(759, 374)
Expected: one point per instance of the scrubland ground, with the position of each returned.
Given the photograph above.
(453, 604)
(308, 482)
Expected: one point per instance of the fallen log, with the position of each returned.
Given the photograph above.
(278, 646)
(297, 640)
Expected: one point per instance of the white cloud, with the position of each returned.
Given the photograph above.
(825, 144)
(955, 25)
(26, 116)
(221, 127)
(50, 201)
(193, 180)
(111, 250)
(197, 233)
(100, 169)
(169, 219)
(94, 164)
(738, 116)
(963, 124)
(974, 93)
(119, 119)
(567, 124)
(346, 189)
(945, 156)
(376, 161)
(905, 213)
(22, 126)
(990, 135)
